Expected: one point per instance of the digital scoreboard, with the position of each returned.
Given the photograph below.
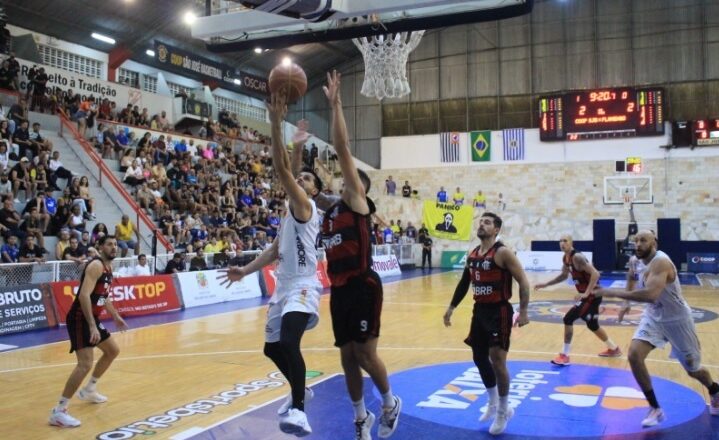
(705, 132)
(599, 114)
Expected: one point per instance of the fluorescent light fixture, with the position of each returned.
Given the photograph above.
(286, 61)
(258, 50)
(237, 81)
(189, 17)
(150, 53)
(102, 38)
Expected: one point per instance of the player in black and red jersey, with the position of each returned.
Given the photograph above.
(86, 332)
(585, 278)
(356, 292)
(490, 268)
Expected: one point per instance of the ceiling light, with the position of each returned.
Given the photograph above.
(286, 61)
(237, 81)
(103, 38)
(189, 17)
(258, 50)
(150, 53)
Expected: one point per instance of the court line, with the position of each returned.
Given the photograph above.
(323, 349)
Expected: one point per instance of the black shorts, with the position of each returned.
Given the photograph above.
(356, 308)
(586, 309)
(79, 330)
(491, 326)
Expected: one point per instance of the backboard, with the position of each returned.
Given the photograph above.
(269, 24)
(628, 189)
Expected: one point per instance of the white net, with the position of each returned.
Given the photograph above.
(385, 62)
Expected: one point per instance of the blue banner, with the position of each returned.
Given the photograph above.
(703, 263)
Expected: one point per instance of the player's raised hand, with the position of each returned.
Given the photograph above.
(230, 275)
(277, 106)
(332, 89)
(301, 135)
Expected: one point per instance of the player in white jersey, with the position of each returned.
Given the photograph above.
(294, 307)
(667, 318)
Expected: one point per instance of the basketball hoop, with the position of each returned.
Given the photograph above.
(385, 63)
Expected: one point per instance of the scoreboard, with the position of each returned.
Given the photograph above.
(604, 113)
(705, 132)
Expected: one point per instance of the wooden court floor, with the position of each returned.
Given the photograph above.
(168, 366)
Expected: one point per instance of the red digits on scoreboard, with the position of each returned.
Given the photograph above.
(630, 107)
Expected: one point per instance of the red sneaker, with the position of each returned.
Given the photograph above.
(561, 359)
(609, 353)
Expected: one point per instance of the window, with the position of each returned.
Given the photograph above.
(129, 78)
(69, 61)
(240, 108)
(176, 88)
(149, 84)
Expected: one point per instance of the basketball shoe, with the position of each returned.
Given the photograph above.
(363, 427)
(63, 419)
(295, 422)
(91, 396)
(388, 419)
(500, 422)
(561, 359)
(617, 352)
(491, 412)
(287, 404)
(654, 417)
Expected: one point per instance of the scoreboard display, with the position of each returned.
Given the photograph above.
(705, 132)
(599, 114)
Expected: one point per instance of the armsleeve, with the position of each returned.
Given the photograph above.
(461, 291)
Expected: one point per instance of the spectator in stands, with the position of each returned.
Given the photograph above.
(142, 268)
(85, 240)
(76, 221)
(22, 138)
(442, 195)
(98, 231)
(39, 85)
(406, 189)
(6, 186)
(17, 114)
(134, 174)
(103, 110)
(124, 232)
(89, 202)
(458, 197)
(20, 176)
(480, 200)
(58, 171)
(14, 69)
(411, 232)
(38, 175)
(110, 144)
(144, 197)
(10, 250)
(6, 81)
(390, 186)
(176, 265)
(127, 158)
(74, 252)
(35, 224)
(501, 205)
(125, 115)
(30, 252)
(63, 243)
(198, 262)
(143, 120)
(163, 122)
(6, 142)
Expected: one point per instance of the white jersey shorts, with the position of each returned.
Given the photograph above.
(294, 296)
(681, 334)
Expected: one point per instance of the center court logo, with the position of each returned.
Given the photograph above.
(547, 400)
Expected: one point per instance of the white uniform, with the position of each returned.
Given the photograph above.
(669, 319)
(298, 289)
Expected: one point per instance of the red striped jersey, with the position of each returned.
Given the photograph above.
(581, 278)
(346, 239)
(491, 284)
(100, 292)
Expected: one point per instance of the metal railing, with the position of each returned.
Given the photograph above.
(405, 253)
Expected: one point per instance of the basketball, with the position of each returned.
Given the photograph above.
(291, 78)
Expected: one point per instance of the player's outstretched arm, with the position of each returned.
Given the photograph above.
(236, 273)
(558, 279)
(656, 281)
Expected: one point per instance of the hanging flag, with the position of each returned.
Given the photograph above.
(513, 143)
(449, 143)
(448, 221)
(480, 143)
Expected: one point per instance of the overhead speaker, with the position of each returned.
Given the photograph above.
(681, 133)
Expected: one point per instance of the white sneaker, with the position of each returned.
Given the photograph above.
(489, 413)
(287, 404)
(63, 419)
(363, 427)
(295, 422)
(500, 422)
(654, 417)
(91, 396)
(388, 419)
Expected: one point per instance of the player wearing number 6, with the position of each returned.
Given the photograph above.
(490, 268)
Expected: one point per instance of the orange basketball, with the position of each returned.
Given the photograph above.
(290, 78)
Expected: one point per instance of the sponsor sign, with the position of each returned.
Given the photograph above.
(703, 263)
(86, 86)
(386, 265)
(548, 401)
(26, 307)
(201, 288)
(453, 259)
(544, 260)
(170, 418)
(554, 311)
(268, 273)
(131, 296)
(447, 220)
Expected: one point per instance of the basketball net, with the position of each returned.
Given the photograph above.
(385, 63)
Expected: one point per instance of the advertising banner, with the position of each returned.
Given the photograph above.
(535, 260)
(201, 288)
(703, 263)
(268, 273)
(453, 259)
(446, 220)
(386, 265)
(131, 296)
(26, 307)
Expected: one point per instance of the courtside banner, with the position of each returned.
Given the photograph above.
(131, 296)
(268, 273)
(201, 288)
(544, 260)
(26, 307)
(386, 265)
(448, 221)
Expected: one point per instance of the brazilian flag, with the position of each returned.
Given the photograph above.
(481, 145)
